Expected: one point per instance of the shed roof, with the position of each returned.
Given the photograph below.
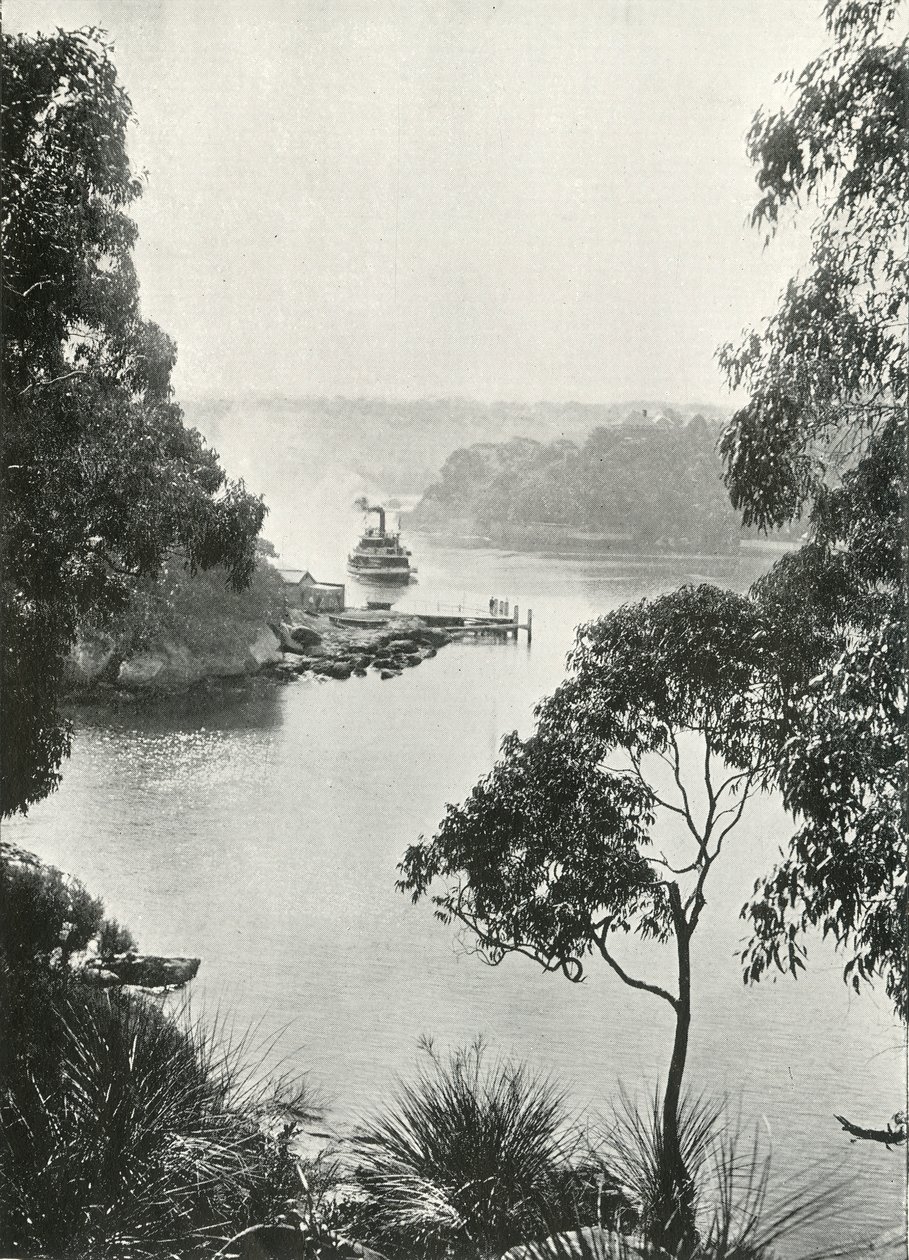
(293, 577)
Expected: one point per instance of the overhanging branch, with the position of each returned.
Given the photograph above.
(889, 1136)
(632, 981)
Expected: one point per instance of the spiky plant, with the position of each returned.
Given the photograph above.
(148, 1139)
(468, 1160)
(737, 1217)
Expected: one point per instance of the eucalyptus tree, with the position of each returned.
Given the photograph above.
(608, 820)
(101, 480)
(823, 436)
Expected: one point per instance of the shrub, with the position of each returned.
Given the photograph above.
(468, 1161)
(151, 1138)
(46, 918)
(736, 1219)
(126, 1129)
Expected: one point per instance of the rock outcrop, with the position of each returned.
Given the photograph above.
(311, 644)
(148, 970)
(170, 666)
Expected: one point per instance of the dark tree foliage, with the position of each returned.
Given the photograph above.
(100, 478)
(824, 435)
(665, 714)
(657, 483)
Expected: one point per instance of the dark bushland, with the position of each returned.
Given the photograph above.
(126, 1129)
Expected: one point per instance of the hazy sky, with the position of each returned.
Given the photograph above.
(534, 199)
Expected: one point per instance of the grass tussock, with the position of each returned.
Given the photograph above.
(468, 1160)
(737, 1215)
(150, 1139)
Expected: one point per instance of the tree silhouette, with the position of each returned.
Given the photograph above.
(100, 479)
(554, 855)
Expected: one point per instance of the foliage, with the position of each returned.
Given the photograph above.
(101, 480)
(47, 916)
(552, 855)
(738, 1218)
(634, 1150)
(125, 1128)
(658, 483)
(468, 1160)
(200, 613)
(824, 434)
(553, 849)
(146, 1140)
(47, 919)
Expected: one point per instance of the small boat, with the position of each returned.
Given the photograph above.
(380, 556)
(358, 621)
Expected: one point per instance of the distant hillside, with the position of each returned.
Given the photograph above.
(651, 482)
(311, 457)
(400, 446)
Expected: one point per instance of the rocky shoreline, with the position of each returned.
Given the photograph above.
(315, 645)
(304, 644)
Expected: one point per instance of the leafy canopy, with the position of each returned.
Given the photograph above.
(101, 480)
(824, 435)
(553, 851)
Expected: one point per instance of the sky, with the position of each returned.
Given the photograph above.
(514, 200)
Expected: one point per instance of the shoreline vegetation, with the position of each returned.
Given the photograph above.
(183, 633)
(129, 1131)
(645, 483)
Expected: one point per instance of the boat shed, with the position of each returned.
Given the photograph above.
(302, 590)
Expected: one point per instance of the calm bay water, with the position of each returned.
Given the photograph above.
(262, 833)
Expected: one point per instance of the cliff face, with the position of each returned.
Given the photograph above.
(98, 663)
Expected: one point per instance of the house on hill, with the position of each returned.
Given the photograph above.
(302, 590)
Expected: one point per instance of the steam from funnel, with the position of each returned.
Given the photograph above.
(365, 506)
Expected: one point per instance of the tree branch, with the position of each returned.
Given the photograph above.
(686, 812)
(37, 285)
(571, 968)
(57, 379)
(889, 1137)
(631, 981)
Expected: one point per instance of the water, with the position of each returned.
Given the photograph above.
(262, 833)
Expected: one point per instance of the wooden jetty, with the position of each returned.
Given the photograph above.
(462, 622)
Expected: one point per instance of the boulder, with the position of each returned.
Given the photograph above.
(304, 636)
(406, 647)
(182, 669)
(101, 977)
(431, 637)
(149, 970)
(88, 661)
(340, 669)
(141, 670)
(284, 634)
(286, 671)
(389, 673)
(265, 648)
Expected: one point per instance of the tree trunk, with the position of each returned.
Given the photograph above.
(675, 1223)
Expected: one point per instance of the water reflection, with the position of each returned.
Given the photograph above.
(228, 705)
